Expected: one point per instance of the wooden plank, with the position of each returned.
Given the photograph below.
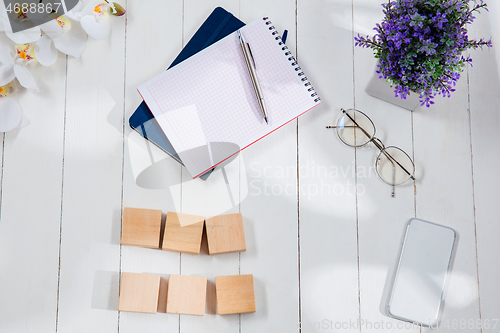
(328, 248)
(196, 11)
(485, 121)
(381, 218)
(444, 196)
(206, 198)
(270, 219)
(213, 197)
(31, 206)
(154, 38)
(91, 201)
(2, 138)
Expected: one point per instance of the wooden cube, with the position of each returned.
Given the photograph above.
(182, 239)
(225, 234)
(186, 294)
(188, 219)
(139, 293)
(235, 294)
(141, 227)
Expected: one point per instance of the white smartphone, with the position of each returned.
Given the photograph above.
(420, 277)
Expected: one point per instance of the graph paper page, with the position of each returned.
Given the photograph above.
(207, 107)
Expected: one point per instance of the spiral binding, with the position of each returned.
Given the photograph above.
(292, 60)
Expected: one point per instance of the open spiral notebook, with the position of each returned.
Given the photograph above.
(207, 107)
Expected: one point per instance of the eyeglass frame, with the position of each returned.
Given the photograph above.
(380, 145)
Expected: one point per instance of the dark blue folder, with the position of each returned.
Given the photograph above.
(217, 26)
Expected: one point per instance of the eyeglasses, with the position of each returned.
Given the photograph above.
(393, 165)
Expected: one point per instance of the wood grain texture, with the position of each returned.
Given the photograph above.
(225, 234)
(219, 194)
(2, 138)
(182, 239)
(187, 294)
(91, 198)
(139, 292)
(31, 206)
(381, 218)
(235, 294)
(327, 175)
(141, 227)
(444, 196)
(270, 211)
(154, 38)
(484, 79)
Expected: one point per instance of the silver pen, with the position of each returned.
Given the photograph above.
(247, 54)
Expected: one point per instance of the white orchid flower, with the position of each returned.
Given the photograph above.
(14, 66)
(63, 35)
(94, 16)
(11, 116)
(59, 34)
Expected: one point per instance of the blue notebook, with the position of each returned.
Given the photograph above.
(217, 26)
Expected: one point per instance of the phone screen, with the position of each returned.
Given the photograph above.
(420, 277)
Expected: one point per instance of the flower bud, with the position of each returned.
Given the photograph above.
(116, 10)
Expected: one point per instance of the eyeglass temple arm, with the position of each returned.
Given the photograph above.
(393, 180)
(380, 147)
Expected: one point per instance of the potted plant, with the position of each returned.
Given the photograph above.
(420, 45)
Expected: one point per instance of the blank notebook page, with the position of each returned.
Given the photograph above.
(207, 106)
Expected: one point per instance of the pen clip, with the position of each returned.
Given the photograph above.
(242, 39)
(251, 55)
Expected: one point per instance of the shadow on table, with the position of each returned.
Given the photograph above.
(152, 169)
(105, 291)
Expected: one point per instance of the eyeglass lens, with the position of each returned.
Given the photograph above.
(352, 135)
(394, 166)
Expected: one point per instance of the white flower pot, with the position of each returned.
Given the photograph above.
(379, 88)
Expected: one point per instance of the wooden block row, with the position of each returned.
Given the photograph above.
(183, 232)
(186, 294)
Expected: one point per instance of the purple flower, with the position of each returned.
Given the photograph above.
(420, 43)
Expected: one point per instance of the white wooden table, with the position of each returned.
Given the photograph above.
(322, 230)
